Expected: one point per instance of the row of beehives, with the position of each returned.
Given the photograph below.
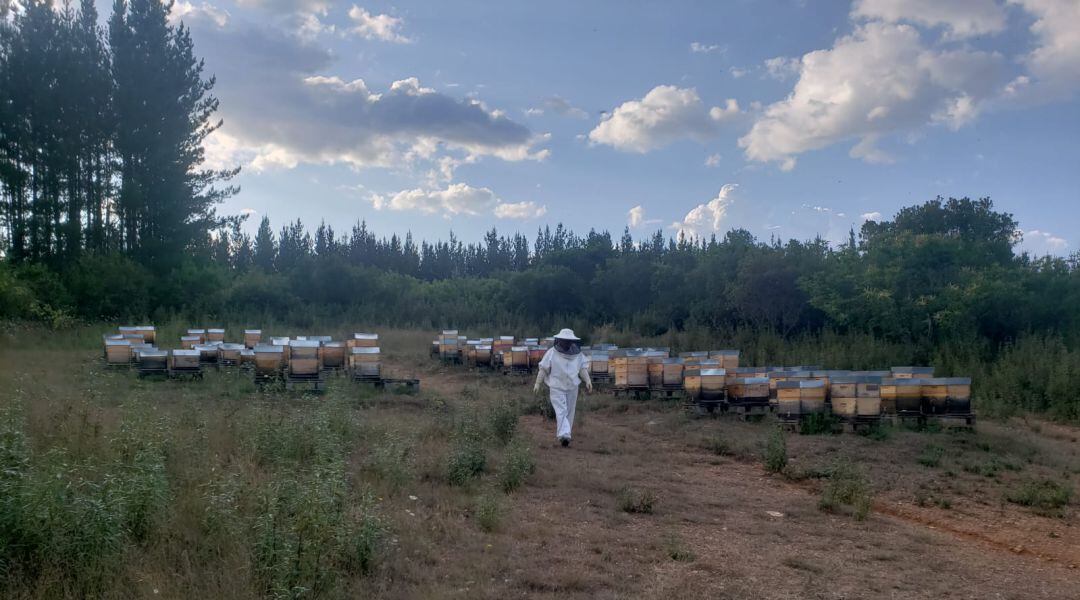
(299, 356)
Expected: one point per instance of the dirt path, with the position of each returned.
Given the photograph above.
(715, 532)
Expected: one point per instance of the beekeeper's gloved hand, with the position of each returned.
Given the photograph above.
(587, 378)
(539, 380)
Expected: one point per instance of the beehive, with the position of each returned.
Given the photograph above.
(268, 359)
(148, 332)
(631, 369)
(744, 372)
(215, 335)
(729, 359)
(371, 340)
(673, 372)
(199, 332)
(744, 390)
(800, 397)
(151, 360)
(365, 362)
(692, 380)
(845, 407)
(184, 360)
(483, 354)
(252, 337)
(843, 387)
(188, 342)
(448, 341)
(470, 351)
(517, 357)
(599, 362)
(536, 354)
(303, 358)
(333, 355)
(208, 353)
(117, 352)
(654, 366)
(322, 339)
(247, 357)
(776, 377)
(713, 384)
(138, 349)
(912, 372)
(693, 358)
(902, 396)
(531, 342)
(959, 395)
(229, 354)
(935, 394)
(283, 342)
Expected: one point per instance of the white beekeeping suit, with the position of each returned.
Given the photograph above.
(563, 368)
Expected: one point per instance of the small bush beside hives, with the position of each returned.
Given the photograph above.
(488, 512)
(502, 420)
(632, 500)
(847, 487)
(517, 466)
(1046, 496)
(776, 451)
(468, 457)
(931, 455)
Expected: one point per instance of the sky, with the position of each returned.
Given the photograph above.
(789, 118)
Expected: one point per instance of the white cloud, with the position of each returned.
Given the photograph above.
(247, 212)
(738, 72)
(289, 6)
(187, 12)
(457, 199)
(874, 216)
(377, 27)
(559, 106)
(960, 18)
(874, 82)
(782, 67)
(519, 210)
(700, 48)
(1041, 243)
(1054, 64)
(635, 218)
(713, 160)
(705, 219)
(666, 114)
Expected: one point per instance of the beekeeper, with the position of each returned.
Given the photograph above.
(563, 368)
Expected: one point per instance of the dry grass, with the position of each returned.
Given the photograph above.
(213, 489)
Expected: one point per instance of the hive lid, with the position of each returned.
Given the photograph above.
(304, 344)
(365, 336)
(872, 373)
(183, 352)
(196, 331)
(153, 353)
(486, 340)
(215, 330)
(267, 349)
(693, 354)
(914, 370)
(117, 342)
(127, 329)
(506, 338)
(144, 328)
(334, 344)
(112, 336)
(279, 341)
(365, 350)
(599, 356)
(253, 331)
(519, 348)
(749, 380)
(673, 361)
(484, 347)
(189, 338)
(206, 347)
(231, 346)
(714, 372)
(472, 343)
(449, 332)
(300, 337)
(748, 369)
(856, 379)
(533, 341)
(801, 384)
(246, 352)
(903, 382)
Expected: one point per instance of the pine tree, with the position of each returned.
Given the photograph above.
(265, 246)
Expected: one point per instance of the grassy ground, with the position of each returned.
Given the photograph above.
(116, 487)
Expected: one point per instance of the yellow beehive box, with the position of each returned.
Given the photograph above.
(692, 380)
(333, 355)
(229, 354)
(215, 335)
(185, 360)
(117, 352)
(199, 332)
(365, 362)
(599, 363)
(518, 357)
(252, 337)
(654, 367)
(536, 354)
(483, 354)
(868, 406)
(729, 359)
(748, 388)
(247, 357)
(713, 384)
(303, 358)
(148, 332)
(631, 370)
(366, 340)
(268, 359)
(283, 342)
(672, 372)
(188, 342)
(845, 407)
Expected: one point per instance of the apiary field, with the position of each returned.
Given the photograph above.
(113, 486)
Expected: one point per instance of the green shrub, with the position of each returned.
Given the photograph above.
(488, 512)
(632, 500)
(931, 456)
(517, 465)
(817, 424)
(719, 445)
(392, 460)
(1045, 496)
(776, 451)
(468, 457)
(502, 420)
(847, 487)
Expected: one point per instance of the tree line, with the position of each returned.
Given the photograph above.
(101, 135)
